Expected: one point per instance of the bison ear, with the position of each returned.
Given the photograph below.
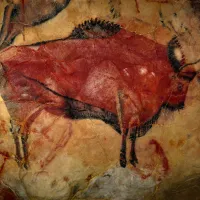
(175, 54)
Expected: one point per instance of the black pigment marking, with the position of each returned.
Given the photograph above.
(123, 160)
(172, 45)
(78, 110)
(113, 11)
(95, 28)
(163, 21)
(189, 76)
(173, 107)
(90, 29)
(133, 156)
(15, 11)
(142, 130)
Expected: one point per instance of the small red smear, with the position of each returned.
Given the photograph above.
(161, 153)
(31, 119)
(65, 178)
(137, 6)
(3, 127)
(6, 156)
(143, 176)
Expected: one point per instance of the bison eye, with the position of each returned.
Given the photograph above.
(175, 54)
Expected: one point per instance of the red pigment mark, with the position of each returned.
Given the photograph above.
(60, 144)
(65, 178)
(143, 176)
(161, 153)
(137, 6)
(28, 122)
(3, 127)
(46, 131)
(23, 7)
(6, 156)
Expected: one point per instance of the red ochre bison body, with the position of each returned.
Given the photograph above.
(126, 76)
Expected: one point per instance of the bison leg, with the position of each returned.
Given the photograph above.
(119, 109)
(133, 156)
(123, 160)
(24, 139)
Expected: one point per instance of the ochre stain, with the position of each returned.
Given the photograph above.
(3, 128)
(172, 142)
(65, 178)
(180, 143)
